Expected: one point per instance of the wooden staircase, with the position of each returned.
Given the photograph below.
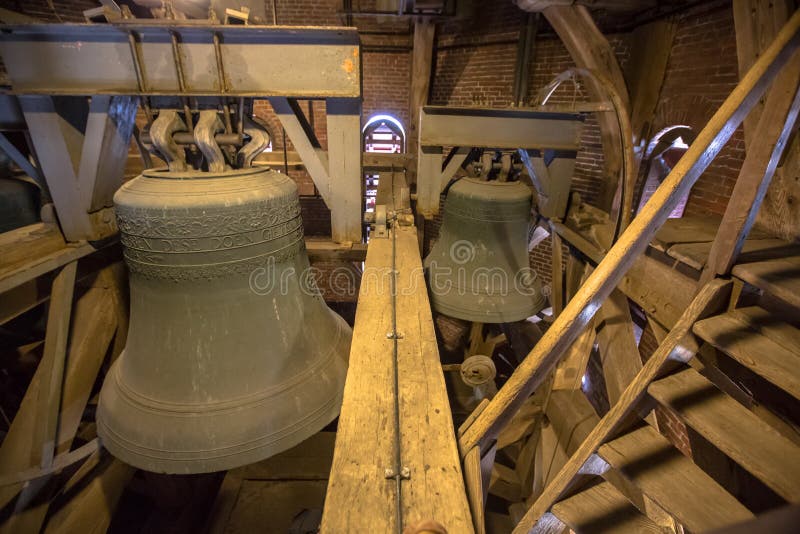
(583, 496)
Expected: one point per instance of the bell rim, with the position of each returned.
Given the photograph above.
(166, 174)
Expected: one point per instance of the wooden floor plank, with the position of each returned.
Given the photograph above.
(600, 509)
(779, 277)
(673, 481)
(692, 229)
(359, 497)
(696, 255)
(762, 355)
(734, 429)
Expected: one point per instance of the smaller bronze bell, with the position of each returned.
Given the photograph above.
(478, 270)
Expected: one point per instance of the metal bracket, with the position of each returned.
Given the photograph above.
(381, 229)
(405, 474)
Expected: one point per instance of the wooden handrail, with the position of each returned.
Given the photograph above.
(546, 354)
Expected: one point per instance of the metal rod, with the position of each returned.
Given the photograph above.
(226, 116)
(223, 84)
(285, 153)
(140, 81)
(187, 138)
(240, 116)
(398, 461)
(176, 57)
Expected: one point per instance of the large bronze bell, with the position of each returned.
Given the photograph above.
(478, 270)
(231, 355)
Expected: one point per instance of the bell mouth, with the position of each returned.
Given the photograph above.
(165, 174)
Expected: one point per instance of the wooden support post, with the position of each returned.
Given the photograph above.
(645, 73)
(557, 284)
(430, 166)
(305, 143)
(82, 149)
(473, 480)
(757, 22)
(680, 345)
(344, 159)
(763, 154)
(618, 350)
(53, 362)
(543, 358)
(421, 66)
(93, 326)
(90, 510)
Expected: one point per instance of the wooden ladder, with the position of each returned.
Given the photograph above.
(621, 443)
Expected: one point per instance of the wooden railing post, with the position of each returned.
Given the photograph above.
(546, 354)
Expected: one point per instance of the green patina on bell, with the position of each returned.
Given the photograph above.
(478, 270)
(231, 356)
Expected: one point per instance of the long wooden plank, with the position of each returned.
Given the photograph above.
(360, 498)
(618, 350)
(543, 358)
(20, 245)
(53, 363)
(673, 481)
(734, 429)
(678, 344)
(602, 509)
(695, 255)
(91, 333)
(766, 358)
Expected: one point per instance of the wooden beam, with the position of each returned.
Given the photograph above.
(771, 135)
(421, 67)
(756, 23)
(305, 143)
(543, 358)
(344, 164)
(359, 497)
(557, 276)
(52, 364)
(645, 71)
(589, 49)
(91, 332)
(474, 483)
(618, 351)
(678, 345)
(22, 245)
(82, 149)
(92, 507)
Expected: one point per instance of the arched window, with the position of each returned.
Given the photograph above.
(662, 154)
(385, 135)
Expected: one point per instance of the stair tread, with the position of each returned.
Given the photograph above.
(734, 429)
(779, 277)
(770, 325)
(776, 363)
(601, 508)
(673, 481)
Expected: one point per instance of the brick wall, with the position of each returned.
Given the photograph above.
(701, 72)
